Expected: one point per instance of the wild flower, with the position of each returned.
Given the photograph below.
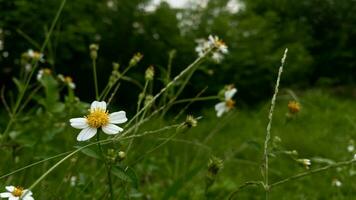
(293, 107)
(67, 80)
(16, 193)
(351, 146)
(93, 51)
(42, 72)
(35, 55)
(73, 181)
(122, 155)
(98, 117)
(216, 42)
(227, 104)
(305, 162)
(219, 47)
(190, 121)
(150, 72)
(202, 47)
(336, 182)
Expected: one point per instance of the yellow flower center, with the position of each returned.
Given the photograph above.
(294, 107)
(68, 79)
(47, 71)
(230, 103)
(36, 55)
(219, 43)
(98, 118)
(18, 191)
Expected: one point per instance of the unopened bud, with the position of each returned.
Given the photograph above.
(135, 59)
(148, 100)
(149, 74)
(122, 155)
(94, 51)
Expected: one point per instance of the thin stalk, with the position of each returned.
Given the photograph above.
(170, 84)
(33, 164)
(196, 99)
(246, 184)
(95, 80)
(311, 172)
(270, 117)
(107, 167)
(192, 100)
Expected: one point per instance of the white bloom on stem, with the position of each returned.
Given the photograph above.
(336, 182)
(202, 47)
(42, 72)
(35, 55)
(226, 105)
(16, 193)
(215, 41)
(98, 117)
(217, 45)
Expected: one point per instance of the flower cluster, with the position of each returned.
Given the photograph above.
(16, 193)
(98, 117)
(227, 104)
(213, 43)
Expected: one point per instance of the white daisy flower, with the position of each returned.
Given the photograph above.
(35, 55)
(42, 72)
(226, 105)
(98, 117)
(202, 47)
(16, 193)
(218, 43)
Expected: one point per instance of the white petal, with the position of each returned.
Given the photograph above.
(117, 117)
(28, 198)
(10, 188)
(220, 108)
(79, 123)
(86, 134)
(27, 192)
(98, 105)
(111, 129)
(230, 93)
(5, 195)
(14, 198)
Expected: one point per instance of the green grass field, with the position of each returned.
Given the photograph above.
(178, 168)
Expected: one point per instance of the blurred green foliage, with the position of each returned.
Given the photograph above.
(318, 34)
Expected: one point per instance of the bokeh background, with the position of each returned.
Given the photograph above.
(320, 36)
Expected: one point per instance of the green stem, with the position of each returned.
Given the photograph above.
(107, 167)
(270, 117)
(170, 84)
(314, 171)
(95, 80)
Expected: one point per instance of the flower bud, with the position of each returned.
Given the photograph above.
(93, 51)
(122, 155)
(135, 59)
(149, 74)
